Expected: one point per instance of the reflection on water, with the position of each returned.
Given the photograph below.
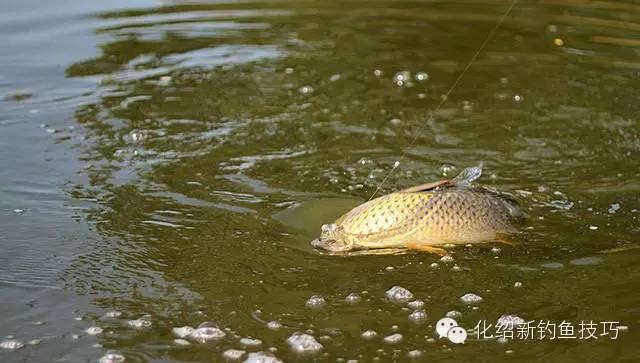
(216, 137)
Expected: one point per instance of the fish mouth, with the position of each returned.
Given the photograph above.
(330, 245)
(317, 243)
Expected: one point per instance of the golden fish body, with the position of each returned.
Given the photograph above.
(423, 218)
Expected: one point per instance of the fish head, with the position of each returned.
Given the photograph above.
(332, 238)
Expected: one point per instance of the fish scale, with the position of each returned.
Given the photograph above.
(454, 215)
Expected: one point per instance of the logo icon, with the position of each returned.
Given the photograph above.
(448, 328)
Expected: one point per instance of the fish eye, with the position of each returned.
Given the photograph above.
(442, 324)
(450, 324)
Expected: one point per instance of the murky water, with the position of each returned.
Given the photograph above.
(166, 164)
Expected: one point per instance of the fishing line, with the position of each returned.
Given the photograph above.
(446, 95)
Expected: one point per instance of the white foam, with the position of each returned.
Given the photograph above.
(11, 344)
(181, 342)
(112, 357)
(205, 333)
(182, 332)
(233, 354)
(139, 323)
(510, 322)
(304, 343)
(369, 334)
(471, 298)
(353, 298)
(316, 302)
(393, 338)
(94, 330)
(262, 357)
(418, 316)
(399, 294)
(274, 325)
(248, 342)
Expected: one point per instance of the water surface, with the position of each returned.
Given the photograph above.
(173, 160)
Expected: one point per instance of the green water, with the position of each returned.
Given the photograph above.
(173, 160)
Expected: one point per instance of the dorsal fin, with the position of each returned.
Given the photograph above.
(429, 186)
(463, 179)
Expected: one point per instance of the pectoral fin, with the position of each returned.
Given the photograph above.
(505, 238)
(426, 248)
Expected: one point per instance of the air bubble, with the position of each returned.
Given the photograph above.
(233, 354)
(453, 314)
(274, 325)
(305, 90)
(399, 294)
(353, 298)
(136, 136)
(11, 344)
(471, 298)
(369, 334)
(206, 332)
(316, 302)
(139, 323)
(112, 357)
(614, 208)
(446, 258)
(402, 76)
(262, 357)
(418, 316)
(182, 332)
(112, 314)
(304, 343)
(248, 342)
(422, 76)
(509, 322)
(94, 330)
(393, 338)
(447, 169)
